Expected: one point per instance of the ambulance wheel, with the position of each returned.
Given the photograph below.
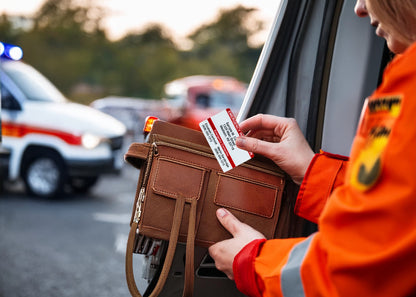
(44, 173)
(82, 184)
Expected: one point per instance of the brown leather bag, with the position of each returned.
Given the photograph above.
(181, 185)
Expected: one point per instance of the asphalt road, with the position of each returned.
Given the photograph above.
(73, 246)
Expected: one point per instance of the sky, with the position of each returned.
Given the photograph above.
(179, 16)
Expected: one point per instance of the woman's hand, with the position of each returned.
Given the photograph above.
(223, 252)
(279, 139)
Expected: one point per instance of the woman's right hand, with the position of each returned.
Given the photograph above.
(279, 139)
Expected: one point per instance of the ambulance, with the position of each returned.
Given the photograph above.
(48, 141)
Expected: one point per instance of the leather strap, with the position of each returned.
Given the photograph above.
(190, 245)
(173, 240)
(129, 261)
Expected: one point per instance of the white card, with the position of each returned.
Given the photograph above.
(221, 130)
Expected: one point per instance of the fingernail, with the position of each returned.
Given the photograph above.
(221, 212)
(240, 141)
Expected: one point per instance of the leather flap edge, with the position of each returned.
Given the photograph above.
(137, 153)
(174, 177)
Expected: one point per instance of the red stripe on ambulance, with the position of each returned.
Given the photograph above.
(21, 130)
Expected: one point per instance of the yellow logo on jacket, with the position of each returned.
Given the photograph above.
(379, 120)
(391, 105)
(367, 167)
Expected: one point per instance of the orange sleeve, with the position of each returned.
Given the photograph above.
(258, 265)
(325, 173)
(366, 243)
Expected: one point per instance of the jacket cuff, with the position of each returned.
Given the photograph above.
(243, 268)
(325, 172)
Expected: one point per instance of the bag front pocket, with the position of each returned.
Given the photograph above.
(246, 196)
(252, 201)
(170, 178)
(173, 177)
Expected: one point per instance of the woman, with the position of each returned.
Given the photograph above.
(365, 206)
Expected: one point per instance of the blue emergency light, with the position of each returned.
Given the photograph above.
(10, 51)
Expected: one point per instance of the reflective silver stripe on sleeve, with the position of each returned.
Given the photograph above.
(291, 283)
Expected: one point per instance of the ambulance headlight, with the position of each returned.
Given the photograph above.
(90, 141)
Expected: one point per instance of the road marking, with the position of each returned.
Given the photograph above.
(120, 243)
(112, 217)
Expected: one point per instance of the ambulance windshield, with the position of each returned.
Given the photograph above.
(32, 83)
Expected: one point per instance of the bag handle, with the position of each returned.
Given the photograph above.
(173, 240)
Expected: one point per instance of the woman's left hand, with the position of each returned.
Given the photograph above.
(223, 252)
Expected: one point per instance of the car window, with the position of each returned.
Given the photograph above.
(178, 100)
(8, 102)
(317, 66)
(232, 100)
(203, 100)
(33, 84)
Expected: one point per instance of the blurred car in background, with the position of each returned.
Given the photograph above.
(198, 97)
(132, 112)
(52, 142)
(187, 102)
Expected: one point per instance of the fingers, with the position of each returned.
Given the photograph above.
(262, 134)
(230, 222)
(224, 252)
(255, 145)
(235, 227)
(265, 122)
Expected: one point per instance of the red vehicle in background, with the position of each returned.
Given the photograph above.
(195, 98)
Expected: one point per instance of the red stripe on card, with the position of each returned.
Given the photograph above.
(237, 127)
(227, 154)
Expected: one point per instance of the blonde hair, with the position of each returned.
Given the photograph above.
(399, 15)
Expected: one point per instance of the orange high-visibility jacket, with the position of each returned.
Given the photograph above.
(365, 209)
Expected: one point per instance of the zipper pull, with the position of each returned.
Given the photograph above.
(139, 203)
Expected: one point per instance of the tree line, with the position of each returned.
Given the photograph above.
(67, 43)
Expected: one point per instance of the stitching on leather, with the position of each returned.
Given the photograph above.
(159, 142)
(252, 212)
(203, 172)
(225, 174)
(276, 190)
(257, 182)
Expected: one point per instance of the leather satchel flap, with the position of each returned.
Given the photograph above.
(178, 133)
(137, 153)
(250, 196)
(174, 177)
